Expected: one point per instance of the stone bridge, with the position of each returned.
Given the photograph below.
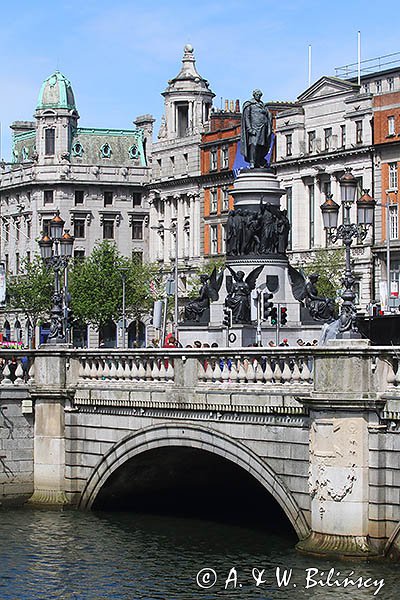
(316, 428)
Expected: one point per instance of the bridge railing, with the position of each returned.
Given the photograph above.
(16, 367)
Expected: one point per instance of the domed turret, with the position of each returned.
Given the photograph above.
(56, 92)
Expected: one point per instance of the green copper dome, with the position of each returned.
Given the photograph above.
(56, 92)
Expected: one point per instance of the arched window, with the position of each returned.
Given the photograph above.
(17, 331)
(136, 335)
(105, 150)
(108, 335)
(7, 331)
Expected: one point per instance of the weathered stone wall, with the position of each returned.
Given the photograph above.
(16, 446)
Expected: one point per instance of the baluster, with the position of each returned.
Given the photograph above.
(277, 373)
(209, 372)
(113, 369)
(85, 368)
(127, 369)
(286, 373)
(163, 371)
(134, 369)
(31, 373)
(234, 373)
(155, 372)
(225, 375)
(241, 371)
(258, 371)
(96, 369)
(391, 375)
(296, 375)
(141, 371)
(201, 371)
(250, 372)
(148, 370)
(82, 366)
(6, 376)
(169, 375)
(19, 375)
(217, 371)
(106, 369)
(120, 369)
(305, 373)
(268, 373)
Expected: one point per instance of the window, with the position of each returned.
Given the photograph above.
(213, 201)
(225, 157)
(182, 118)
(17, 230)
(17, 262)
(79, 228)
(327, 188)
(289, 208)
(28, 256)
(79, 197)
(213, 159)
(225, 199)
(393, 176)
(46, 226)
(79, 254)
(133, 152)
(366, 88)
(7, 231)
(214, 239)
(108, 198)
(136, 199)
(48, 197)
(391, 130)
(311, 141)
(105, 150)
(77, 149)
(359, 132)
(343, 136)
(311, 208)
(185, 161)
(49, 141)
(390, 81)
(137, 230)
(7, 262)
(393, 222)
(28, 229)
(328, 138)
(223, 239)
(289, 142)
(137, 256)
(378, 85)
(108, 229)
(172, 163)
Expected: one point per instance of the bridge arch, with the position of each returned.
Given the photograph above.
(201, 438)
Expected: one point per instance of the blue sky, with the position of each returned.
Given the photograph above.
(119, 54)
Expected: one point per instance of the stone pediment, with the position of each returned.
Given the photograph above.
(327, 86)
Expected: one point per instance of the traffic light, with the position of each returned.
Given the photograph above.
(283, 315)
(227, 320)
(274, 315)
(267, 305)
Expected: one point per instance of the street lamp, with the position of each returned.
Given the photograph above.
(56, 250)
(346, 232)
(123, 271)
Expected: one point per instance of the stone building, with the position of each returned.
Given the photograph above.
(175, 192)
(95, 178)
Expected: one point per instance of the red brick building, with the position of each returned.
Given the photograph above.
(218, 152)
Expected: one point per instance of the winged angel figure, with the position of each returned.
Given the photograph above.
(210, 286)
(239, 290)
(320, 309)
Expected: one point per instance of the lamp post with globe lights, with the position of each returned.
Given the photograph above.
(347, 232)
(56, 250)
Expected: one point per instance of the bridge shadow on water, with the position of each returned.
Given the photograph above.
(192, 483)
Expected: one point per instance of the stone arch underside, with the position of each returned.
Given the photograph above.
(201, 438)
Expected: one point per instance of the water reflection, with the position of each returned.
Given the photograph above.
(50, 555)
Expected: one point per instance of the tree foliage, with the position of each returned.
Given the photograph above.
(32, 289)
(329, 263)
(96, 286)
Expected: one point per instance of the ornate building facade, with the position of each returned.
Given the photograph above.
(95, 178)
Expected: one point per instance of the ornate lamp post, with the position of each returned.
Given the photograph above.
(56, 250)
(346, 232)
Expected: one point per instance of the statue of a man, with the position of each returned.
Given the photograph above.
(256, 131)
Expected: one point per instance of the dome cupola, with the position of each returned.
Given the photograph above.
(56, 92)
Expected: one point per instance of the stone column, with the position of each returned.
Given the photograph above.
(340, 411)
(49, 394)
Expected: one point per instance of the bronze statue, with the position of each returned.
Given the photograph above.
(320, 308)
(198, 309)
(238, 298)
(256, 131)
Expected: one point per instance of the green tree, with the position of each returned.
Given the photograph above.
(96, 286)
(31, 291)
(329, 264)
